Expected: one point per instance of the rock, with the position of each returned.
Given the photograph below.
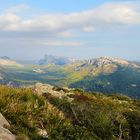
(42, 133)
(41, 89)
(3, 121)
(5, 134)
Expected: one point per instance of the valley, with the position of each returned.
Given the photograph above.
(104, 74)
(70, 70)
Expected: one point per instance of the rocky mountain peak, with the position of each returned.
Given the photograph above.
(5, 58)
(105, 61)
(50, 59)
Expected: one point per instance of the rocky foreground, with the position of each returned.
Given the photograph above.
(46, 89)
(54, 113)
(41, 90)
(5, 134)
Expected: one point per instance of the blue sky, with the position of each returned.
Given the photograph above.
(55, 5)
(76, 28)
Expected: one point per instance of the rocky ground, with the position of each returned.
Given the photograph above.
(5, 134)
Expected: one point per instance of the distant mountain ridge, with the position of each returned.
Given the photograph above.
(5, 57)
(105, 74)
(109, 75)
(6, 61)
(106, 60)
(50, 59)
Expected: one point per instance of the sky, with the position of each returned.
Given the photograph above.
(76, 28)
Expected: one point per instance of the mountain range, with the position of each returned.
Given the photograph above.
(105, 74)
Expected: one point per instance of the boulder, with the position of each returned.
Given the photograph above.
(42, 133)
(5, 134)
(3, 121)
(41, 89)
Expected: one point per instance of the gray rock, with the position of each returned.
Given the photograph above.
(5, 134)
(3, 121)
(41, 89)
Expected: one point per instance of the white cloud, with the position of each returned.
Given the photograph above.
(87, 21)
(67, 25)
(9, 22)
(89, 29)
(118, 13)
(61, 43)
(17, 8)
(66, 34)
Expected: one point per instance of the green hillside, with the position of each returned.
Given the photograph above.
(125, 81)
(86, 116)
(106, 75)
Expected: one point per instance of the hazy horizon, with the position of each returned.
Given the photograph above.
(76, 58)
(74, 29)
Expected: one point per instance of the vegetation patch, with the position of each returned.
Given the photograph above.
(87, 117)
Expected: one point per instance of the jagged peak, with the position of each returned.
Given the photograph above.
(5, 58)
(106, 60)
(50, 59)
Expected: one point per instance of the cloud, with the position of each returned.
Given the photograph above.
(118, 13)
(88, 21)
(89, 29)
(66, 34)
(18, 8)
(9, 22)
(61, 43)
(55, 27)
